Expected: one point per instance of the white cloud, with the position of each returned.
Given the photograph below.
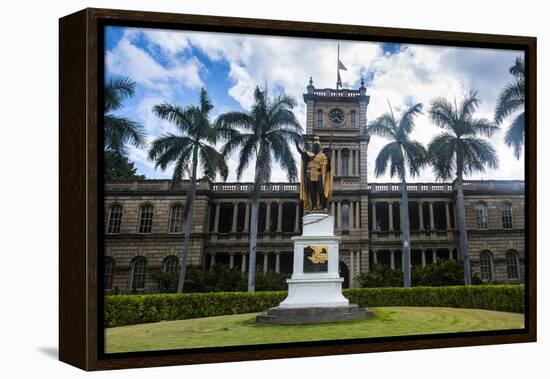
(129, 60)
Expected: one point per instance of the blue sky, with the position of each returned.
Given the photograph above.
(172, 66)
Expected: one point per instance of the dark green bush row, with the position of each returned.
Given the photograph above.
(443, 273)
(137, 309)
(219, 279)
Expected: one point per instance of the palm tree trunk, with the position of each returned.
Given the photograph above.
(461, 218)
(191, 192)
(254, 210)
(406, 234)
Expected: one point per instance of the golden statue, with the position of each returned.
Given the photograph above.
(315, 177)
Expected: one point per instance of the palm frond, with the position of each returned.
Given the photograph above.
(484, 127)
(212, 162)
(116, 90)
(442, 155)
(406, 121)
(383, 126)
(119, 131)
(442, 113)
(515, 135)
(510, 99)
(478, 154)
(174, 114)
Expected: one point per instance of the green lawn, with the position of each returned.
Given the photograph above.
(243, 330)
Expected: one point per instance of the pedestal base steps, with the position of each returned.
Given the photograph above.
(313, 315)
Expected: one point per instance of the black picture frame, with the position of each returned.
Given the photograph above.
(81, 187)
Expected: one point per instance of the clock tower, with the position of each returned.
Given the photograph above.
(339, 118)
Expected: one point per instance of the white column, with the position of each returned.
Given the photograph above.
(278, 261)
(357, 214)
(375, 257)
(423, 258)
(357, 165)
(390, 214)
(235, 214)
(247, 217)
(352, 266)
(351, 217)
(434, 256)
(267, 216)
(432, 224)
(280, 218)
(374, 215)
(265, 262)
(339, 220)
(231, 260)
(450, 254)
(392, 260)
(243, 262)
(332, 208)
(297, 219)
(339, 162)
(447, 215)
(217, 218)
(421, 214)
(212, 259)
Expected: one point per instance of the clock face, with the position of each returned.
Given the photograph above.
(336, 117)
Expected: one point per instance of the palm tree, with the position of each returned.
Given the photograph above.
(459, 151)
(402, 154)
(511, 99)
(119, 130)
(190, 149)
(263, 132)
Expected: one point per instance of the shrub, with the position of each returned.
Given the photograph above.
(443, 273)
(167, 282)
(137, 309)
(223, 279)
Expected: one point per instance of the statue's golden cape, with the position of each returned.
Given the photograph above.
(326, 176)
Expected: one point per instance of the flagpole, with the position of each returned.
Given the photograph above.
(337, 66)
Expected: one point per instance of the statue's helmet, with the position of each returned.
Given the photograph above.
(316, 140)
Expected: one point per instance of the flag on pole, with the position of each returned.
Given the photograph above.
(341, 66)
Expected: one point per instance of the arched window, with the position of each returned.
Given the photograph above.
(145, 219)
(345, 162)
(345, 216)
(486, 265)
(109, 267)
(139, 269)
(114, 219)
(506, 215)
(319, 118)
(170, 264)
(482, 219)
(176, 219)
(353, 123)
(512, 265)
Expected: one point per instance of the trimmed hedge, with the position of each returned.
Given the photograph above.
(123, 310)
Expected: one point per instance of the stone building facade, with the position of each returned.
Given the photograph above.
(144, 219)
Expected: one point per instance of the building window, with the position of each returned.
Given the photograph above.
(512, 264)
(352, 120)
(319, 118)
(109, 266)
(506, 214)
(145, 219)
(345, 216)
(176, 219)
(481, 216)
(486, 265)
(170, 264)
(114, 219)
(139, 268)
(345, 163)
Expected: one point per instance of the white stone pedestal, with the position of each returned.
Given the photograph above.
(309, 287)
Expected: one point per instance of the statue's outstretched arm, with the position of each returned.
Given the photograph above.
(300, 151)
